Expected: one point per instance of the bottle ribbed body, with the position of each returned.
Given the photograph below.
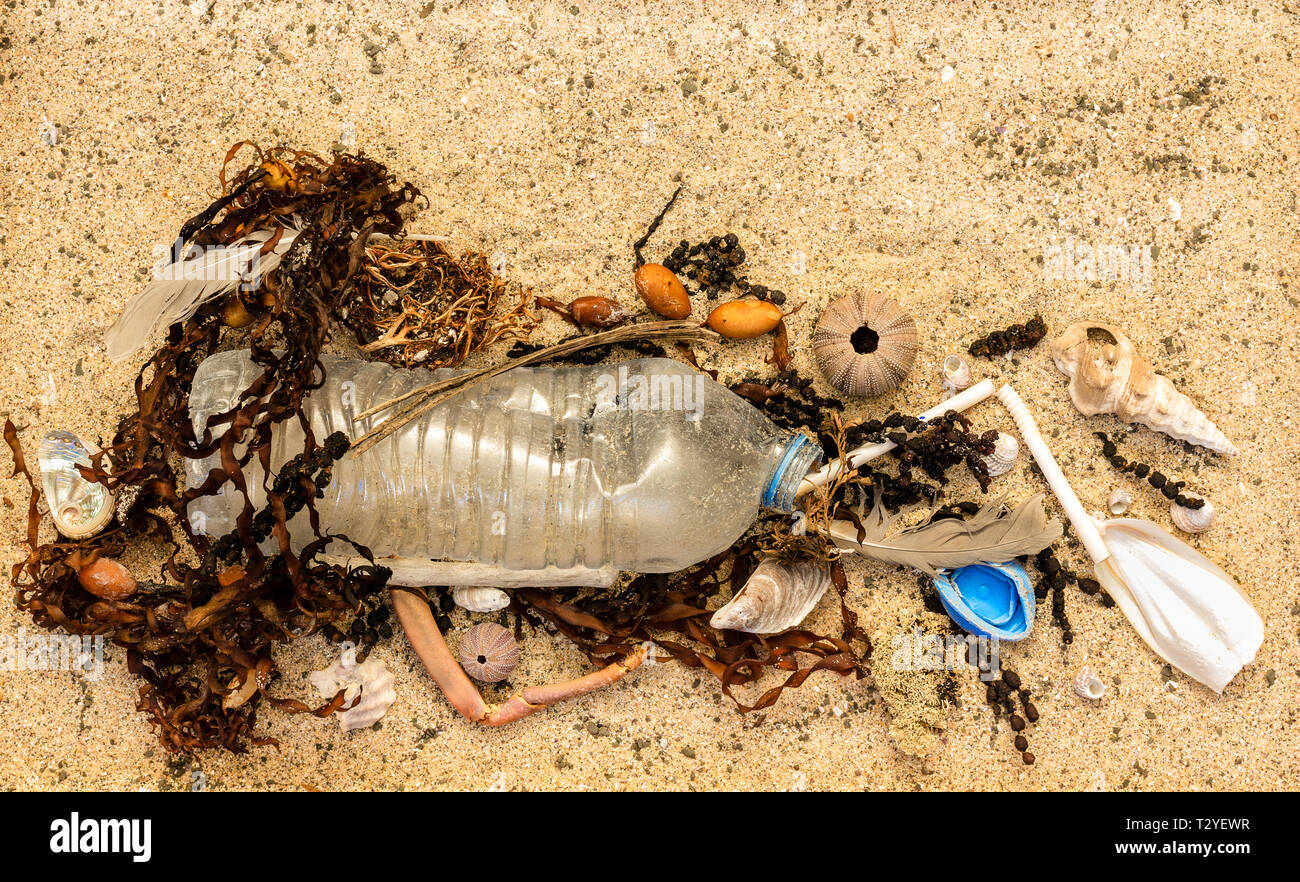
(645, 466)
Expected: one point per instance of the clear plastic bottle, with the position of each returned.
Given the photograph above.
(646, 466)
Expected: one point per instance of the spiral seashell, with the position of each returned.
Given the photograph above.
(777, 596)
(478, 599)
(488, 652)
(865, 344)
(1124, 383)
(955, 373)
(1003, 457)
(1088, 685)
(1192, 520)
(1119, 502)
(79, 508)
(369, 684)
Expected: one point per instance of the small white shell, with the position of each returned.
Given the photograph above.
(370, 679)
(478, 599)
(1088, 685)
(1003, 457)
(955, 373)
(1192, 520)
(777, 596)
(79, 508)
(1120, 501)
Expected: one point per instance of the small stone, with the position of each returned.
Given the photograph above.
(689, 87)
(1028, 758)
(688, 752)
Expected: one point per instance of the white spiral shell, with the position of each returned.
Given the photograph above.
(955, 373)
(1192, 520)
(479, 599)
(777, 596)
(1003, 457)
(371, 680)
(1120, 381)
(1088, 685)
(1119, 502)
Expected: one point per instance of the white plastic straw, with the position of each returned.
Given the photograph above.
(867, 452)
(1074, 510)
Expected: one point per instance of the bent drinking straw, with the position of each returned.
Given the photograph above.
(1189, 611)
(867, 452)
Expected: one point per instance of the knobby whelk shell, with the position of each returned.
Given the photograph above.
(777, 596)
(488, 652)
(1192, 520)
(1088, 685)
(1124, 383)
(955, 373)
(370, 680)
(79, 508)
(479, 599)
(865, 344)
(1005, 450)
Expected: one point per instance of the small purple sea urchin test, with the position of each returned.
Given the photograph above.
(488, 652)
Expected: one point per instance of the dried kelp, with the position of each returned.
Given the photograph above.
(202, 642)
(674, 615)
(417, 304)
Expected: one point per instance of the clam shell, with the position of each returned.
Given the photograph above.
(865, 344)
(371, 680)
(1088, 685)
(1003, 457)
(488, 652)
(777, 596)
(1192, 520)
(79, 508)
(955, 373)
(479, 599)
(1119, 502)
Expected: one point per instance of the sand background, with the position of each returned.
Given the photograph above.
(929, 149)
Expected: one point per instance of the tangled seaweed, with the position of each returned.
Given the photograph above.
(665, 609)
(202, 641)
(416, 304)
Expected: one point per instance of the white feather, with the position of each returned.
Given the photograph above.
(181, 287)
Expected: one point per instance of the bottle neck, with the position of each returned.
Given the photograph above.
(795, 455)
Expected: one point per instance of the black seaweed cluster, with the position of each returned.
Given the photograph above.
(1023, 336)
(303, 477)
(1000, 695)
(713, 265)
(1169, 488)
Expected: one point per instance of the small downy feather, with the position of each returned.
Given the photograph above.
(182, 286)
(949, 543)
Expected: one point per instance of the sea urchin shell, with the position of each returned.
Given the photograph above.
(488, 652)
(865, 344)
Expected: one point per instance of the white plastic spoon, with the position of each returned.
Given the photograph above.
(1189, 611)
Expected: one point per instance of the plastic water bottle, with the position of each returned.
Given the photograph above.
(645, 466)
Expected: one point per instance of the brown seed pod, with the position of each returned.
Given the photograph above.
(865, 344)
(662, 291)
(107, 578)
(600, 312)
(745, 319)
(235, 314)
(488, 652)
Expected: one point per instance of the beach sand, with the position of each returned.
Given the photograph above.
(925, 149)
